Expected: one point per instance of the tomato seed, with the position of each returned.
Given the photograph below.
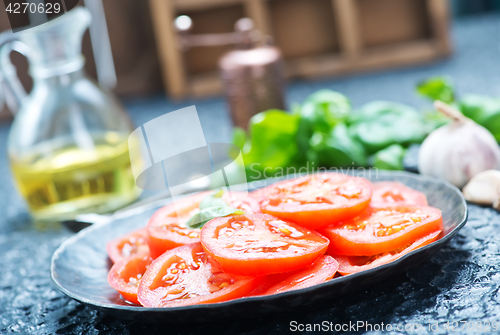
(133, 281)
(176, 291)
(236, 225)
(285, 231)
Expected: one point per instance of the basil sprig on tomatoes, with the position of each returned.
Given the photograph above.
(360, 226)
(211, 207)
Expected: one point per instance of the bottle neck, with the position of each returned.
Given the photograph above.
(62, 68)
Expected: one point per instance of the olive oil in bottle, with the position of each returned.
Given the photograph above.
(68, 142)
(60, 181)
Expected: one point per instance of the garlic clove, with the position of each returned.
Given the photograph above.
(484, 188)
(459, 150)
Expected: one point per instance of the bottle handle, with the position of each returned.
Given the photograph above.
(14, 92)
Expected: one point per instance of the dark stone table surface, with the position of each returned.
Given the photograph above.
(460, 283)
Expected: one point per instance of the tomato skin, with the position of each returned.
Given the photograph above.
(186, 271)
(260, 244)
(128, 245)
(394, 193)
(167, 231)
(354, 264)
(347, 239)
(323, 269)
(121, 273)
(317, 200)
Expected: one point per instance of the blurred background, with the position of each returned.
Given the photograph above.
(334, 83)
(138, 60)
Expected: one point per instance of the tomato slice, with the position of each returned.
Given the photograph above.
(380, 230)
(126, 274)
(260, 244)
(132, 244)
(353, 264)
(184, 276)
(317, 200)
(243, 201)
(167, 231)
(393, 193)
(323, 269)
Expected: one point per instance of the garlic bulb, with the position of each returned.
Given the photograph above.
(459, 150)
(483, 188)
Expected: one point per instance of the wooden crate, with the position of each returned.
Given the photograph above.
(317, 37)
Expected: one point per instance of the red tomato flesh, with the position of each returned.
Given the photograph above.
(243, 201)
(380, 230)
(167, 230)
(353, 264)
(185, 276)
(132, 244)
(317, 200)
(260, 244)
(323, 269)
(126, 275)
(393, 193)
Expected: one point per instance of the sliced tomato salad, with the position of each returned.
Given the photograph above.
(353, 264)
(185, 276)
(277, 245)
(260, 244)
(166, 227)
(323, 269)
(126, 274)
(317, 200)
(393, 193)
(132, 244)
(381, 230)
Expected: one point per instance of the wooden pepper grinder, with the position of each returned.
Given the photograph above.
(252, 74)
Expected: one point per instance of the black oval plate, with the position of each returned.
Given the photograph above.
(80, 265)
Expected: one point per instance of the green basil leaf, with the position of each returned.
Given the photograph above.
(437, 88)
(272, 139)
(338, 149)
(213, 200)
(380, 124)
(390, 158)
(203, 216)
(239, 137)
(484, 110)
(479, 107)
(212, 206)
(324, 109)
(319, 114)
